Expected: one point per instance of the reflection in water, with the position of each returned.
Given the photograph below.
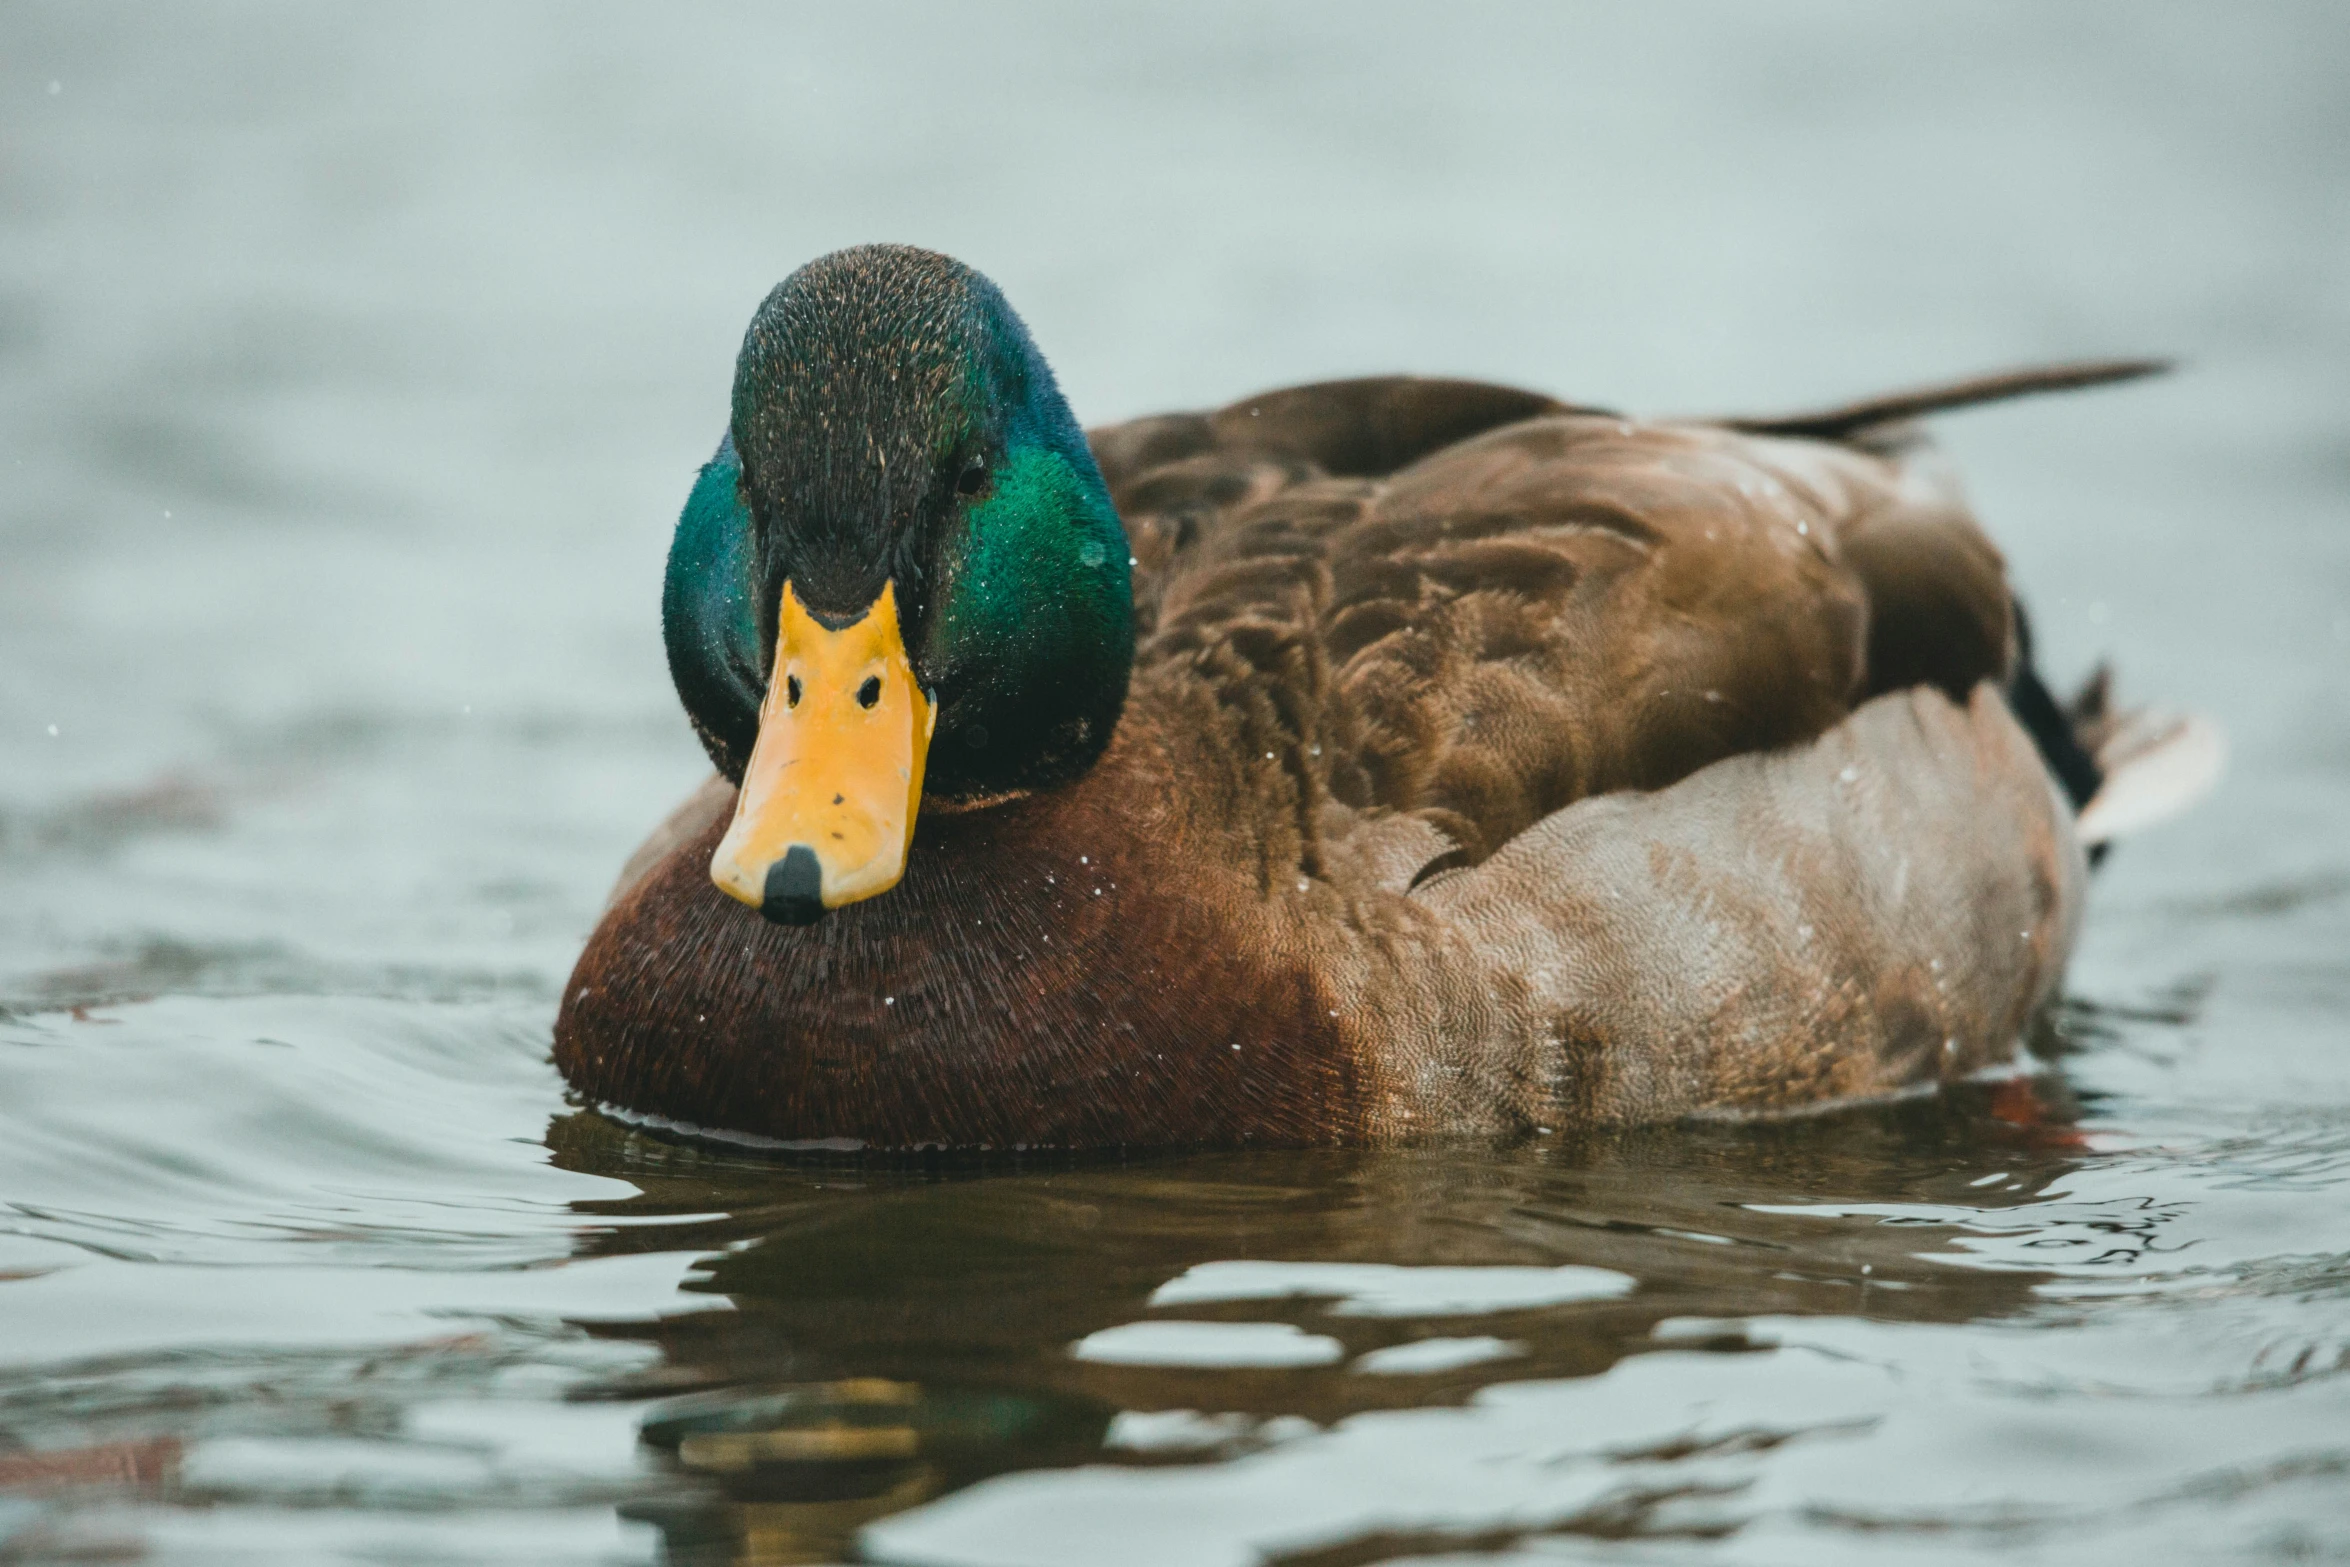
(795, 1472)
(396, 1329)
(901, 1331)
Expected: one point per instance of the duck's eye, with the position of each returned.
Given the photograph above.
(791, 690)
(870, 692)
(972, 480)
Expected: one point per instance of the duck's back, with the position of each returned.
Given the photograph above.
(1478, 605)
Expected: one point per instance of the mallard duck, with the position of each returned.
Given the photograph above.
(1361, 761)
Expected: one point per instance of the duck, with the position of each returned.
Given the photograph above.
(1361, 762)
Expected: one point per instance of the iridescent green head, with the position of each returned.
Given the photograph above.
(901, 481)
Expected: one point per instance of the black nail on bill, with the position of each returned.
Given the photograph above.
(795, 888)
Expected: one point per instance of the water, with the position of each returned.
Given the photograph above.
(352, 364)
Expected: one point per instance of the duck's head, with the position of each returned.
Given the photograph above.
(901, 576)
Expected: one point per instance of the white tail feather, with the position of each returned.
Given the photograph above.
(2155, 767)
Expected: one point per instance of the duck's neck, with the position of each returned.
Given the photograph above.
(1077, 967)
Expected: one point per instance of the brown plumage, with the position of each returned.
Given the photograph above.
(1488, 763)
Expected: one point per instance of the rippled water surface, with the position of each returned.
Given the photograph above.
(352, 365)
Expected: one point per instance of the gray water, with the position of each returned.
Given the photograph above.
(353, 364)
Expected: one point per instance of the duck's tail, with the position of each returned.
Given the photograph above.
(2123, 769)
(1851, 419)
(2153, 765)
(2069, 751)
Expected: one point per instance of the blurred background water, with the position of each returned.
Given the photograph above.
(353, 364)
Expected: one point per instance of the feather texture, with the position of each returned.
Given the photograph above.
(1488, 762)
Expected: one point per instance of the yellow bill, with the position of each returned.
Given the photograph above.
(827, 804)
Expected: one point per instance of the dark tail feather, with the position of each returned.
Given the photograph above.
(1835, 424)
(2051, 728)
